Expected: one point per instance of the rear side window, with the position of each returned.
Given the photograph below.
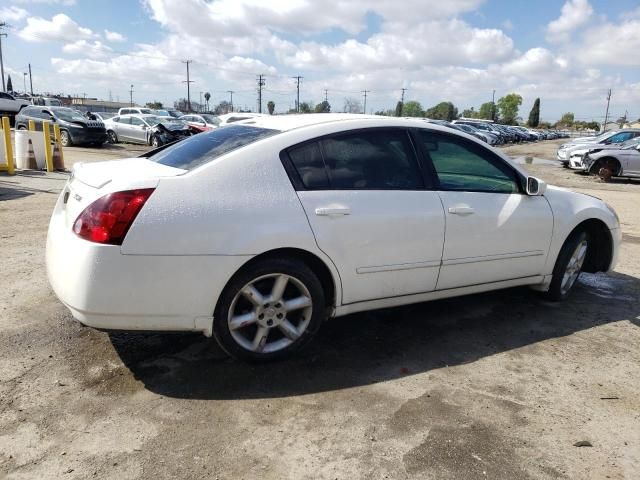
(307, 160)
(372, 159)
(206, 147)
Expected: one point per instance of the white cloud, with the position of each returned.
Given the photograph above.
(114, 36)
(59, 28)
(574, 14)
(612, 44)
(13, 14)
(94, 49)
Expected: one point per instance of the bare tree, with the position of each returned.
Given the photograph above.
(352, 105)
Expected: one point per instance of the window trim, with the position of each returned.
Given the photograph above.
(494, 159)
(298, 185)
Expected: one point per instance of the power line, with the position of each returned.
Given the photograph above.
(298, 78)
(261, 83)
(188, 82)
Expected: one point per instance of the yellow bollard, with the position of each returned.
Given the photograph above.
(56, 136)
(32, 126)
(48, 154)
(8, 148)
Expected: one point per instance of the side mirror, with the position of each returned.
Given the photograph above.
(535, 186)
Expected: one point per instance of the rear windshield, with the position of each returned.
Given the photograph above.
(205, 147)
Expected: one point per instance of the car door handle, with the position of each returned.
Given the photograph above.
(333, 211)
(461, 210)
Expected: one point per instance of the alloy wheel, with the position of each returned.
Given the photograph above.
(574, 266)
(270, 313)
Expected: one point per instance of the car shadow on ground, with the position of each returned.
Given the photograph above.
(381, 345)
(13, 193)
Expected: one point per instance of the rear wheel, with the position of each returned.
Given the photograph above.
(568, 266)
(269, 310)
(112, 137)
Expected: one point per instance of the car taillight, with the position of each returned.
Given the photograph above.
(107, 220)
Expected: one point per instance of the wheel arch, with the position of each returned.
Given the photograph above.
(600, 252)
(598, 164)
(330, 282)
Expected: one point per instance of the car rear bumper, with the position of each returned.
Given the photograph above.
(108, 290)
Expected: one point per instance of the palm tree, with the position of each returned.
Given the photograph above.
(207, 96)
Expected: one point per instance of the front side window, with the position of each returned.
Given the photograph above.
(465, 166)
(372, 159)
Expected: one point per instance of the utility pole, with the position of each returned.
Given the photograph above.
(297, 79)
(493, 106)
(200, 107)
(326, 95)
(2, 25)
(188, 82)
(131, 96)
(231, 93)
(364, 110)
(606, 115)
(402, 101)
(261, 83)
(30, 81)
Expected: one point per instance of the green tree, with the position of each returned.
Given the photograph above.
(9, 84)
(155, 105)
(399, 108)
(567, 119)
(306, 107)
(470, 113)
(271, 107)
(487, 111)
(509, 105)
(442, 111)
(412, 109)
(323, 107)
(534, 115)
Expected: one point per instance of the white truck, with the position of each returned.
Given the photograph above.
(10, 105)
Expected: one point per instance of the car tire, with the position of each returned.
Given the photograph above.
(568, 266)
(22, 127)
(155, 142)
(65, 139)
(265, 327)
(112, 137)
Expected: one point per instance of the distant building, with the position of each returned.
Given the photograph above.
(609, 126)
(632, 125)
(95, 105)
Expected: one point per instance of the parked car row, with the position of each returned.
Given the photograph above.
(571, 153)
(608, 159)
(497, 134)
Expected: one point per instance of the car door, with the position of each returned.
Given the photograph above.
(138, 130)
(123, 128)
(631, 160)
(494, 231)
(370, 211)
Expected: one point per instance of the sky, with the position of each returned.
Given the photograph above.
(567, 53)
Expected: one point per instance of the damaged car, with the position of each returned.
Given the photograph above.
(147, 129)
(621, 160)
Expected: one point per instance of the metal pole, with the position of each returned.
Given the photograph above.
(364, 110)
(1, 61)
(606, 115)
(30, 81)
(188, 82)
(402, 101)
(298, 78)
(231, 102)
(131, 96)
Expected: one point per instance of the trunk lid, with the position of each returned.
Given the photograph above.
(90, 181)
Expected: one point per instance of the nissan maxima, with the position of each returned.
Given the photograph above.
(257, 232)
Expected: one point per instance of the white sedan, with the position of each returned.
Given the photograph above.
(257, 232)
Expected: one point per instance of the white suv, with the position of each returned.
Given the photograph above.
(11, 105)
(135, 111)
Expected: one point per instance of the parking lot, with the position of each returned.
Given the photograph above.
(498, 385)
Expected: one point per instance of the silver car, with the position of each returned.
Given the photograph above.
(615, 136)
(619, 161)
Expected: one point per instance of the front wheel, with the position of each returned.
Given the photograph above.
(65, 138)
(568, 266)
(155, 142)
(112, 137)
(269, 310)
